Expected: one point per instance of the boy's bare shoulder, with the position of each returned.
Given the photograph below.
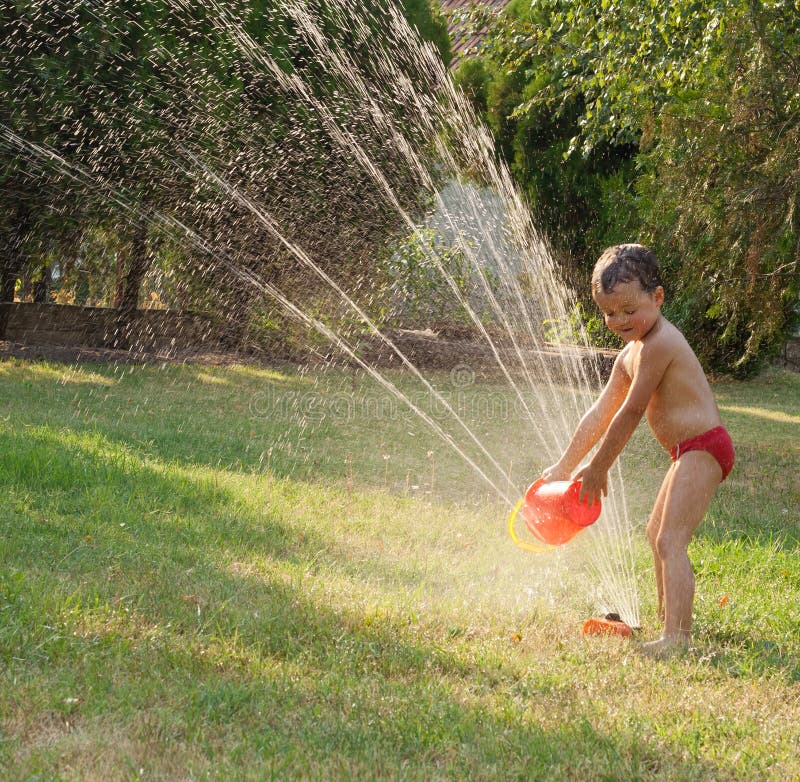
(665, 339)
(624, 360)
(658, 350)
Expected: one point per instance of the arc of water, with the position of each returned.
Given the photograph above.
(476, 140)
(270, 225)
(347, 142)
(156, 217)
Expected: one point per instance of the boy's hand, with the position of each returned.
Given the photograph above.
(555, 473)
(594, 484)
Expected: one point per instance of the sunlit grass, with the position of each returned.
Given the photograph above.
(758, 412)
(232, 573)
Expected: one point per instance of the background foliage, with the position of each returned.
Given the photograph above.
(125, 91)
(674, 124)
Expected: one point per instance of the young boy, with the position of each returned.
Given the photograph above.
(656, 374)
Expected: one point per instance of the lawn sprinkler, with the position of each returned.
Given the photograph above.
(553, 514)
(610, 624)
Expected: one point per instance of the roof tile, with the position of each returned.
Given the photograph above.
(462, 42)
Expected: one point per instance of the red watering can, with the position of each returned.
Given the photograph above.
(553, 513)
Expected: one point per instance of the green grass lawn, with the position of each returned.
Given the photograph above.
(239, 573)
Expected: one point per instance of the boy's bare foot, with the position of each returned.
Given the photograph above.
(664, 648)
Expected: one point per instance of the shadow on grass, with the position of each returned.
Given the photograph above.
(251, 666)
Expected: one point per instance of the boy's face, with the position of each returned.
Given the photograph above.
(630, 311)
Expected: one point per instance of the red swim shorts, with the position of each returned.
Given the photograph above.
(716, 441)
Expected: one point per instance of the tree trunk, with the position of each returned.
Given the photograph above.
(12, 261)
(119, 288)
(41, 288)
(138, 262)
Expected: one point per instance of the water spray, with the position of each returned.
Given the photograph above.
(554, 515)
(236, 169)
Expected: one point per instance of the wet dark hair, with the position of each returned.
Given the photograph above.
(626, 263)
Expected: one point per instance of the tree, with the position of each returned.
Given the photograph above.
(192, 115)
(430, 23)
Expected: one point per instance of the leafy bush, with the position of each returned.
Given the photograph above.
(676, 125)
(428, 281)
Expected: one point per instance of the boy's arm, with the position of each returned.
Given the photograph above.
(654, 359)
(594, 422)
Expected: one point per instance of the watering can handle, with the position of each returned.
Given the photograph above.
(524, 544)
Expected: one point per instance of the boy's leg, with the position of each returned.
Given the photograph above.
(653, 526)
(693, 482)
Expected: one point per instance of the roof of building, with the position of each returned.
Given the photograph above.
(454, 11)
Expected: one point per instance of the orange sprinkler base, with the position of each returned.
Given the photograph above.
(606, 627)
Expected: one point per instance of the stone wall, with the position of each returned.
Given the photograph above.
(160, 331)
(170, 333)
(431, 351)
(181, 335)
